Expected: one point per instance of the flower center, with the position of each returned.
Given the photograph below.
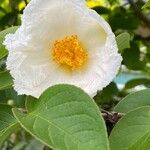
(69, 53)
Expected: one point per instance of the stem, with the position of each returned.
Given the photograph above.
(138, 12)
(111, 118)
(26, 2)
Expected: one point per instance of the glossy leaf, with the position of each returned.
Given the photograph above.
(133, 101)
(8, 124)
(64, 118)
(132, 132)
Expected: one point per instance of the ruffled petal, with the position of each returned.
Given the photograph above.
(109, 58)
(30, 61)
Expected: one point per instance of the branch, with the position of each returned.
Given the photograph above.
(138, 12)
(111, 118)
(26, 2)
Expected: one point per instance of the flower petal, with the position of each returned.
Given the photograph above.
(30, 61)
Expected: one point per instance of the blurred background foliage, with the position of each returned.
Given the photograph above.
(123, 16)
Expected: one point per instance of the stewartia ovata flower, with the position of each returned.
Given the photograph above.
(61, 41)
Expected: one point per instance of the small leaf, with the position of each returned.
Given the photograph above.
(3, 51)
(64, 118)
(133, 101)
(8, 124)
(132, 130)
(106, 95)
(139, 81)
(123, 41)
(147, 4)
(132, 57)
(6, 80)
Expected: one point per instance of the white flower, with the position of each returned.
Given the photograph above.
(61, 41)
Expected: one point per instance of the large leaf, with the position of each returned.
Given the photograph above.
(142, 144)
(8, 124)
(3, 51)
(123, 41)
(133, 101)
(65, 118)
(132, 132)
(6, 80)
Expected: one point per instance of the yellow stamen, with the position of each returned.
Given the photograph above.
(69, 53)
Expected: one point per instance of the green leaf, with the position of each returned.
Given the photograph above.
(18, 100)
(112, 2)
(10, 96)
(101, 10)
(2, 97)
(106, 95)
(30, 106)
(64, 118)
(133, 101)
(132, 130)
(3, 51)
(6, 80)
(147, 4)
(132, 57)
(123, 41)
(8, 124)
(142, 144)
(122, 18)
(135, 82)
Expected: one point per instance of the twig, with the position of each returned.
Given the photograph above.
(111, 118)
(12, 4)
(26, 2)
(138, 12)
